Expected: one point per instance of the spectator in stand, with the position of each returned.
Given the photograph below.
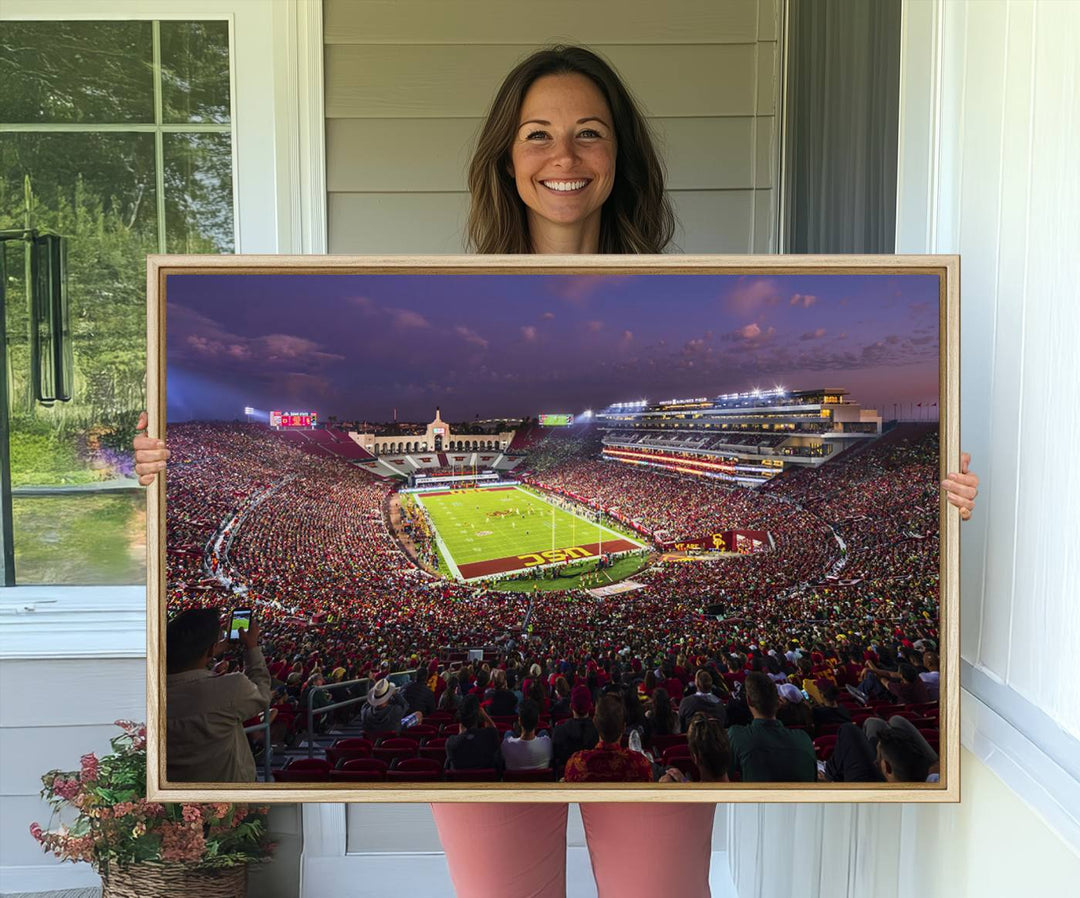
(907, 688)
(560, 700)
(205, 714)
(766, 751)
(703, 700)
(450, 700)
(634, 716)
(527, 751)
(857, 756)
(609, 762)
(932, 677)
(901, 758)
(476, 746)
(664, 720)
(577, 733)
(829, 711)
(794, 711)
(384, 710)
(417, 695)
(500, 701)
(710, 751)
(735, 674)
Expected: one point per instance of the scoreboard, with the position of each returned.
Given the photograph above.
(556, 420)
(293, 419)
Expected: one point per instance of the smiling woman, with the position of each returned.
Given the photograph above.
(562, 117)
(563, 162)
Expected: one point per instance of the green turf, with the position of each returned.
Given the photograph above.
(620, 570)
(471, 531)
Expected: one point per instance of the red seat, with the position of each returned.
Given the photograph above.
(828, 729)
(421, 731)
(480, 775)
(304, 770)
(449, 729)
(543, 775)
(675, 752)
(661, 744)
(390, 750)
(347, 749)
(415, 770)
(859, 716)
(360, 770)
(823, 747)
(887, 709)
(435, 749)
(435, 718)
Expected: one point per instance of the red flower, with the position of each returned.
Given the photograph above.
(89, 767)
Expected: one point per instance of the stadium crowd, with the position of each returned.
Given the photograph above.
(850, 582)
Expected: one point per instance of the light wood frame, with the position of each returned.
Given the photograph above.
(946, 267)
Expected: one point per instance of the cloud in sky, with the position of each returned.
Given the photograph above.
(805, 300)
(407, 318)
(470, 336)
(528, 333)
(816, 334)
(750, 293)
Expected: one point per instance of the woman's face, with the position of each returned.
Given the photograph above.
(563, 154)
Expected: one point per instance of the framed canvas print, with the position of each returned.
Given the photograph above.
(529, 528)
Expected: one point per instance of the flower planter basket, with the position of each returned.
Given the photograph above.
(163, 880)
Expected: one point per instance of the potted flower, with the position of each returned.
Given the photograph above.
(143, 848)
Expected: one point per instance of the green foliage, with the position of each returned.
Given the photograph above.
(99, 190)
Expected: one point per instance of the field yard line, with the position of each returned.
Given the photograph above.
(442, 547)
(539, 495)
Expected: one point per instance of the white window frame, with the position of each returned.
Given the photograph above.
(279, 203)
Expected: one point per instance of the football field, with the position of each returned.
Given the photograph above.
(506, 529)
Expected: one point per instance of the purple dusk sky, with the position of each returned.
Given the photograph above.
(359, 346)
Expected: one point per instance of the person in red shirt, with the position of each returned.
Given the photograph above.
(609, 762)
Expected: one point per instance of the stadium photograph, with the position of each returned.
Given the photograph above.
(486, 522)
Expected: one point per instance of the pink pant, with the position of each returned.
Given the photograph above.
(520, 849)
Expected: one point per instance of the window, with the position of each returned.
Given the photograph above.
(118, 136)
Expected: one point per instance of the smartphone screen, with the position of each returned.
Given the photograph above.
(240, 620)
(409, 721)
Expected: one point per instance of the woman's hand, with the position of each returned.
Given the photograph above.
(962, 488)
(150, 454)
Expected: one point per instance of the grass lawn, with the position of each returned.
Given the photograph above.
(483, 525)
(81, 539)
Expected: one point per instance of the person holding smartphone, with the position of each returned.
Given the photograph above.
(205, 711)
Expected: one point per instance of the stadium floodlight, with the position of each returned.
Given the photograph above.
(248, 410)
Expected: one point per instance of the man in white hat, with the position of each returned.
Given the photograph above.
(384, 709)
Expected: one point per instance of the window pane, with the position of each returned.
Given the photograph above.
(195, 71)
(81, 540)
(198, 193)
(76, 72)
(98, 191)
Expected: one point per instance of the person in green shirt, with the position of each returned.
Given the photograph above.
(766, 751)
